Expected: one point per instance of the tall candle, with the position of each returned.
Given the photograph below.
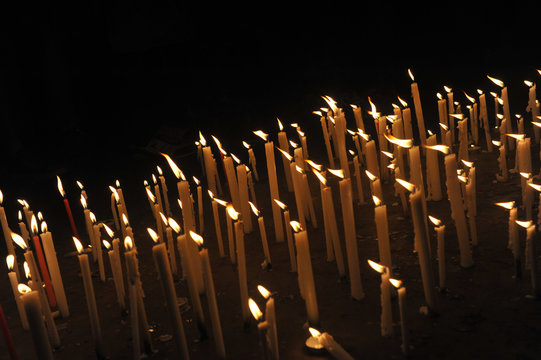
(164, 189)
(217, 226)
(210, 165)
(67, 206)
(418, 109)
(305, 267)
(290, 242)
(7, 234)
(90, 300)
(114, 210)
(158, 195)
(121, 196)
(270, 319)
(372, 158)
(327, 140)
(14, 281)
(232, 180)
(241, 261)
(401, 289)
(307, 198)
(32, 306)
(99, 250)
(385, 287)
(42, 264)
(244, 197)
(299, 194)
(267, 264)
(433, 172)
(200, 212)
(117, 275)
(382, 228)
(284, 145)
(252, 159)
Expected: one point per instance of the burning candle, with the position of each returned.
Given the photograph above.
(270, 319)
(97, 247)
(382, 228)
(13, 280)
(358, 178)
(200, 205)
(56, 275)
(210, 164)
(90, 299)
(217, 226)
(433, 171)
(241, 263)
(164, 189)
(211, 295)
(386, 310)
(117, 276)
(267, 264)
(242, 177)
(305, 269)
(440, 231)
(297, 186)
(7, 234)
(284, 145)
(32, 306)
(42, 264)
(251, 159)
(403, 318)
(114, 209)
(290, 245)
(513, 240)
(326, 138)
(261, 327)
(531, 258)
(170, 245)
(327, 341)
(418, 108)
(67, 206)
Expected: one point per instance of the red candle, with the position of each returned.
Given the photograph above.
(7, 335)
(67, 205)
(42, 263)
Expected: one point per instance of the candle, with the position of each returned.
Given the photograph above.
(163, 183)
(262, 327)
(358, 179)
(7, 233)
(90, 300)
(211, 296)
(297, 186)
(401, 289)
(433, 171)
(327, 341)
(386, 310)
(418, 109)
(484, 119)
(440, 234)
(457, 211)
(531, 262)
(210, 164)
(244, 197)
(382, 228)
(67, 206)
(375, 184)
(513, 242)
(270, 319)
(421, 241)
(326, 138)
(241, 267)
(357, 291)
(42, 264)
(56, 275)
(251, 159)
(170, 245)
(284, 145)
(158, 197)
(232, 180)
(273, 184)
(121, 197)
(114, 210)
(217, 226)
(309, 203)
(290, 244)
(200, 205)
(305, 269)
(117, 276)
(32, 306)
(97, 245)
(372, 158)
(267, 264)
(13, 280)
(161, 258)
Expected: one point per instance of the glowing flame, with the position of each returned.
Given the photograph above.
(318, 167)
(480, 92)
(117, 183)
(286, 155)
(373, 111)
(535, 186)
(405, 143)
(430, 133)
(506, 205)
(535, 123)
(115, 194)
(233, 214)
(254, 209)
(60, 187)
(263, 291)
(280, 204)
(376, 200)
(128, 243)
(80, 184)
(296, 226)
(500, 101)
(318, 113)
(34, 225)
(351, 152)
(471, 99)
(441, 148)
(108, 230)
(261, 134)
(444, 127)
(27, 273)
(18, 239)
(525, 175)
(435, 221)
(457, 116)
(371, 176)
(330, 101)
(438, 95)
(174, 225)
(172, 165)
(197, 238)
(254, 309)
(496, 81)
(447, 89)
(517, 136)
(153, 235)
(524, 224)
(468, 164)
(43, 227)
(388, 154)
(411, 75)
(78, 245)
(245, 144)
(202, 140)
(528, 83)
(151, 196)
(280, 126)
(293, 144)
(315, 333)
(93, 217)
(196, 180)
(154, 181)
(221, 202)
(160, 172)
(20, 215)
(496, 142)
(164, 219)
(23, 289)
(378, 267)
(10, 261)
(83, 202)
(320, 176)
(299, 169)
(106, 244)
(236, 159)
(396, 283)
(337, 172)
(409, 186)
(462, 178)
(125, 220)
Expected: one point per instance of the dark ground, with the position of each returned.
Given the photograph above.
(90, 91)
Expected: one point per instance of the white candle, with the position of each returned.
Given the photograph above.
(385, 287)
(163, 183)
(418, 109)
(433, 171)
(267, 264)
(382, 228)
(241, 261)
(14, 281)
(117, 274)
(326, 341)
(284, 145)
(7, 234)
(244, 197)
(289, 233)
(217, 226)
(401, 289)
(324, 128)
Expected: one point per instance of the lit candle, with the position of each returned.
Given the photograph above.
(32, 306)
(42, 264)
(386, 310)
(433, 171)
(308, 202)
(217, 226)
(241, 263)
(305, 268)
(270, 319)
(211, 296)
(210, 164)
(382, 228)
(262, 327)
(357, 291)
(273, 184)
(7, 234)
(297, 186)
(13, 280)
(327, 341)
(358, 178)
(324, 128)
(161, 258)
(532, 107)
(267, 264)
(375, 184)
(418, 108)
(98, 248)
(471, 201)
(372, 158)
(117, 276)
(531, 257)
(90, 300)
(290, 242)
(121, 196)
(114, 210)
(401, 289)
(440, 234)
(251, 159)
(158, 196)
(56, 275)
(242, 177)
(163, 183)
(67, 206)
(513, 242)
(200, 205)
(284, 145)
(457, 211)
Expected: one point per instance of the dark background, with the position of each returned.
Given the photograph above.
(93, 83)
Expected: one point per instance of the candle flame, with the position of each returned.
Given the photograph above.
(535, 123)
(285, 154)
(409, 186)
(154, 181)
(430, 133)
(263, 291)
(254, 209)
(516, 136)
(396, 283)
(233, 214)
(496, 81)
(317, 112)
(471, 99)
(280, 126)
(160, 172)
(378, 267)
(23, 289)
(462, 179)
(115, 194)
(172, 165)
(18, 239)
(535, 186)
(20, 215)
(202, 139)
(376, 200)
(153, 235)
(27, 273)
(315, 333)
(196, 180)
(447, 89)
(261, 134)
(496, 142)
(468, 164)
(245, 144)
(375, 114)
(254, 309)
(320, 176)
(80, 184)
(330, 101)
(197, 238)
(439, 96)
(174, 225)
(404, 143)
(371, 176)
(106, 244)
(60, 187)
(524, 224)
(352, 153)
(34, 225)
(125, 220)
(404, 104)
(108, 230)
(151, 196)
(221, 202)
(128, 243)
(10, 261)
(293, 144)
(435, 221)
(525, 175)
(457, 116)
(43, 227)
(297, 227)
(528, 83)
(78, 245)
(164, 219)
(83, 202)
(117, 183)
(318, 167)
(299, 169)
(211, 194)
(236, 159)
(506, 205)
(93, 217)
(411, 75)
(388, 154)
(280, 204)
(337, 172)
(441, 148)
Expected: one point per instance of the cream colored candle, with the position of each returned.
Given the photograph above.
(386, 309)
(159, 252)
(440, 235)
(7, 235)
(200, 211)
(14, 282)
(299, 197)
(382, 229)
(308, 198)
(457, 211)
(267, 264)
(114, 211)
(372, 158)
(327, 140)
(117, 275)
(484, 119)
(170, 247)
(326, 341)
(284, 145)
(418, 109)
(270, 319)
(217, 226)
(121, 196)
(251, 159)
(503, 174)
(210, 167)
(232, 181)
(158, 195)
(305, 267)
(472, 205)
(31, 303)
(54, 270)
(433, 172)
(167, 207)
(241, 267)
(211, 296)
(289, 233)
(99, 250)
(533, 109)
(244, 197)
(401, 289)
(531, 258)
(90, 300)
(358, 180)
